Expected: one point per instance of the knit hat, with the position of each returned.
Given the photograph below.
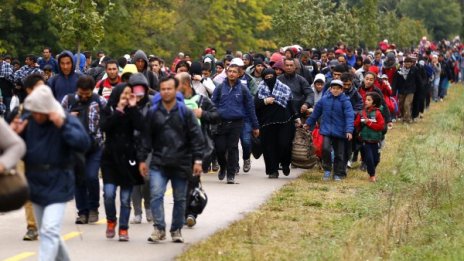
(42, 100)
(278, 65)
(336, 82)
(237, 61)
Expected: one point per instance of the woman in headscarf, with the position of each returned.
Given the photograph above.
(119, 121)
(276, 114)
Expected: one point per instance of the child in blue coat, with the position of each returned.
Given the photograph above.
(337, 125)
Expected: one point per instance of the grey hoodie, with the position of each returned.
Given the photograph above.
(153, 83)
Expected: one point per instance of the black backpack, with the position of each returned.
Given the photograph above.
(83, 109)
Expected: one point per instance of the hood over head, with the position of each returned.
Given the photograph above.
(320, 77)
(138, 79)
(66, 53)
(41, 100)
(139, 54)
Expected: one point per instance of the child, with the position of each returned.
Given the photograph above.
(336, 127)
(370, 124)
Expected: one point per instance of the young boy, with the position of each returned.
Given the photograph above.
(337, 126)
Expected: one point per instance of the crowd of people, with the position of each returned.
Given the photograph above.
(143, 123)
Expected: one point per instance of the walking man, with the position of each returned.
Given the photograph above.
(174, 138)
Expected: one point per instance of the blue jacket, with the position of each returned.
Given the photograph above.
(337, 115)
(52, 62)
(48, 145)
(63, 85)
(232, 105)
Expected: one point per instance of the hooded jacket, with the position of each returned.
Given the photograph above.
(318, 95)
(61, 84)
(153, 83)
(118, 163)
(337, 116)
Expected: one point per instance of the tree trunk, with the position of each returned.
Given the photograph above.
(78, 62)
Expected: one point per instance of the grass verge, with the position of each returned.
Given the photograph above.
(413, 212)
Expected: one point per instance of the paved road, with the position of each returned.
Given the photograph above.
(227, 203)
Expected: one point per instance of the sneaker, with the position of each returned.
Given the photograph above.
(110, 229)
(230, 180)
(246, 165)
(137, 219)
(274, 175)
(337, 178)
(191, 221)
(326, 176)
(82, 219)
(372, 179)
(149, 215)
(349, 164)
(93, 216)
(222, 174)
(215, 166)
(157, 235)
(123, 235)
(177, 236)
(286, 170)
(31, 235)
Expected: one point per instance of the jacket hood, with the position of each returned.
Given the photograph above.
(129, 68)
(116, 94)
(139, 79)
(66, 53)
(141, 55)
(320, 77)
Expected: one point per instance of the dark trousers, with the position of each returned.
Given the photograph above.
(276, 142)
(338, 146)
(226, 143)
(418, 102)
(371, 156)
(87, 193)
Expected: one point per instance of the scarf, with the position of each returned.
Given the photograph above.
(404, 72)
(281, 93)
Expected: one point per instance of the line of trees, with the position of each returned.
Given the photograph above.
(164, 27)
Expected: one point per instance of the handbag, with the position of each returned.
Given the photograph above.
(303, 152)
(14, 191)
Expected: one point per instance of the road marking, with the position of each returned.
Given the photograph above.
(21, 256)
(68, 236)
(71, 235)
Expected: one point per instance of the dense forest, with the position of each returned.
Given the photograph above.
(165, 27)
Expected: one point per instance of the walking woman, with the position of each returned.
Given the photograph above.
(120, 120)
(276, 114)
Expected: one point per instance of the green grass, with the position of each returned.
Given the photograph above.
(414, 212)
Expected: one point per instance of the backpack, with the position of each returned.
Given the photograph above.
(83, 108)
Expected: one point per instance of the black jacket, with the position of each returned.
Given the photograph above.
(408, 85)
(119, 159)
(174, 140)
(302, 92)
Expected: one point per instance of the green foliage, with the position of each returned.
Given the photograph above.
(443, 18)
(315, 23)
(79, 21)
(165, 27)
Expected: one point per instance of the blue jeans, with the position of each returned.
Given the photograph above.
(109, 195)
(245, 140)
(371, 156)
(158, 183)
(88, 194)
(49, 219)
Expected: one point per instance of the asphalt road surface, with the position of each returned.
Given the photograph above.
(227, 203)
